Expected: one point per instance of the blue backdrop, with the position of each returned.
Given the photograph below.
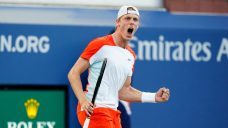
(186, 53)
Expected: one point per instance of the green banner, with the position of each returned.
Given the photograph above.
(32, 109)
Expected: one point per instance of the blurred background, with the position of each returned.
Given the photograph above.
(181, 44)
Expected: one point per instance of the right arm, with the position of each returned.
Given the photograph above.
(79, 67)
(75, 81)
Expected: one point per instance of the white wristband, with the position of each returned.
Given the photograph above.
(148, 97)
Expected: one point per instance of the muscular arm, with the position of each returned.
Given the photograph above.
(75, 80)
(128, 93)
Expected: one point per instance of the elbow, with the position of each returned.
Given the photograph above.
(123, 97)
(70, 75)
(73, 74)
(122, 94)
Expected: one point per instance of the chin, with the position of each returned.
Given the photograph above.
(129, 38)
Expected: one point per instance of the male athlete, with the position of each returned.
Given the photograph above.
(116, 82)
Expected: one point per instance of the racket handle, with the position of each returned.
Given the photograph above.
(86, 123)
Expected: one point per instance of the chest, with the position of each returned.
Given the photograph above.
(118, 58)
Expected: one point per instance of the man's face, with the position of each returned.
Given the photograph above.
(128, 25)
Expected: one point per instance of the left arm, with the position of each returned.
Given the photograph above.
(130, 94)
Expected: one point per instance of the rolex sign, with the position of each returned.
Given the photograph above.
(32, 108)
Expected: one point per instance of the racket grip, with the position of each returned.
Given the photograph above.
(86, 123)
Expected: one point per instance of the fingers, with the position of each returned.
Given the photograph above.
(88, 107)
(162, 95)
(165, 90)
(87, 113)
(160, 92)
(165, 94)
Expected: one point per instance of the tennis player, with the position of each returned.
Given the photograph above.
(116, 80)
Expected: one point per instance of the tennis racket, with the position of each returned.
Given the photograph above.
(86, 123)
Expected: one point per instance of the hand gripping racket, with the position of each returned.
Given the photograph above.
(86, 123)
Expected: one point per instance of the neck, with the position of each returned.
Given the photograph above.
(118, 40)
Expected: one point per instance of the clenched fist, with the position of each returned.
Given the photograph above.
(162, 95)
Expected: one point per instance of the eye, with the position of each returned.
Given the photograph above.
(128, 18)
(136, 19)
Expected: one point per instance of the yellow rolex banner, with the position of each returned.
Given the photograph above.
(33, 108)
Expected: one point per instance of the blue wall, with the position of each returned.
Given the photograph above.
(191, 60)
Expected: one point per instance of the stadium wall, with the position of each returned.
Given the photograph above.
(186, 53)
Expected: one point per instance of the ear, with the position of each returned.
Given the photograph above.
(117, 22)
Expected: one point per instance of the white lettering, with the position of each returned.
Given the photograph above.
(168, 47)
(32, 44)
(22, 124)
(178, 52)
(41, 124)
(223, 50)
(163, 50)
(44, 45)
(5, 43)
(22, 44)
(50, 124)
(148, 46)
(206, 49)
(188, 45)
(11, 125)
(196, 49)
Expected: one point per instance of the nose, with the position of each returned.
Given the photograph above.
(132, 22)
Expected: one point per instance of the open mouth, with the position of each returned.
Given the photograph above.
(130, 30)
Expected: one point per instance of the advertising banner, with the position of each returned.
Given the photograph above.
(24, 107)
(187, 54)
